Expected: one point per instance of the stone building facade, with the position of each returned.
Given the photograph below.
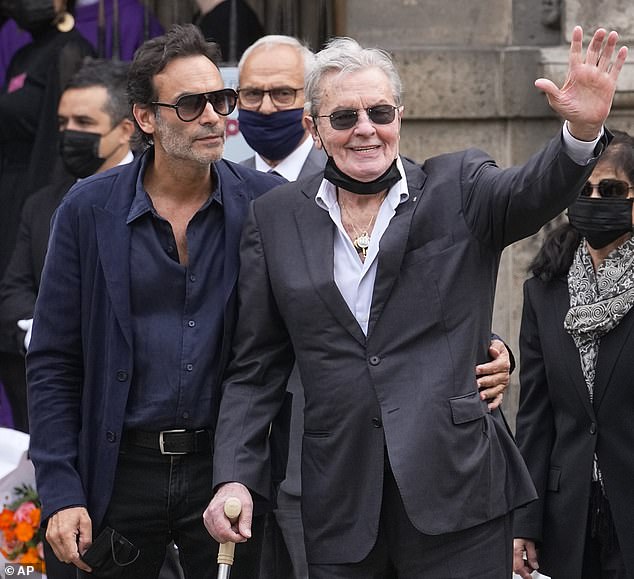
(468, 68)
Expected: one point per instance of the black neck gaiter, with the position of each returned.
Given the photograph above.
(338, 178)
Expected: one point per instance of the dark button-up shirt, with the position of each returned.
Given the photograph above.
(177, 315)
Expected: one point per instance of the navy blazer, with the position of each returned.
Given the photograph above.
(79, 364)
(407, 388)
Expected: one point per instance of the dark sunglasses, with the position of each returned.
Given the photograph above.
(190, 107)
(347, 118)
(608, 188)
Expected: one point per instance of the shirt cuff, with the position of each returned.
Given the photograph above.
(581, 152)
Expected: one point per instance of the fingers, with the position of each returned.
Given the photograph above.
(66, 531)
(605, 56)
(218, 524)
(621, 57)
(595, 47)
(521, 565)
(576, 46)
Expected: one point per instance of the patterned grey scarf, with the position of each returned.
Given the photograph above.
(598, 302)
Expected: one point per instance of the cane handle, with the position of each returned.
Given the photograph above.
(233, 506)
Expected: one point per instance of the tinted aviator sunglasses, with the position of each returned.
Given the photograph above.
(189, 107)
(608, 188)
(347, 118)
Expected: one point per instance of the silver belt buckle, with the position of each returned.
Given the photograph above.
(162, 442)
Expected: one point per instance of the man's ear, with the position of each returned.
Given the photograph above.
(309, 124)
(145, 117)
(127, 127)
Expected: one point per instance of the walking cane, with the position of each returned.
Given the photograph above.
(233, 506)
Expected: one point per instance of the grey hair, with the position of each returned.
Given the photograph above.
(345, 55)
(273, 40)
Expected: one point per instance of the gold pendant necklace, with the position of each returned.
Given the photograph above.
(361, 241)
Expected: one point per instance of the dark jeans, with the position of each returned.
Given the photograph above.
(403, 552)
(158, 499)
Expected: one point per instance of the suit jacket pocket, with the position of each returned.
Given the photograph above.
(427, 250)
(467, 408)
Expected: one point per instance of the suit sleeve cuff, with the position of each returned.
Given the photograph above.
(581, 152)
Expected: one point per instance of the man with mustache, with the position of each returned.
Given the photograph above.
(133, 324)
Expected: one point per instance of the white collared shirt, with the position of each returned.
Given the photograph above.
(290, 166)
(354, 278)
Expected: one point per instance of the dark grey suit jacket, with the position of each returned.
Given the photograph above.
(559, 430)
(291, 483)
(408, 388)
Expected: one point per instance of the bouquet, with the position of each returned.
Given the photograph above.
(20, 532)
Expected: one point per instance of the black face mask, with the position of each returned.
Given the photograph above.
(600, 220)
(80, 152)
(338, 178)
(31, 14)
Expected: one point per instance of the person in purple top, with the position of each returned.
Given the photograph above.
(135, 25)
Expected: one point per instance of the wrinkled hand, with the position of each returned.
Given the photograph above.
(27, 326)
(494, 377)
(586, 96)
(217, 523)
(69, 533)
(524, 567)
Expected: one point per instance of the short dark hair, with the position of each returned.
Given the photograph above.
(113, 76)
(181, 40)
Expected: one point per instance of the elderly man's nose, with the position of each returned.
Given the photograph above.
(267, 106)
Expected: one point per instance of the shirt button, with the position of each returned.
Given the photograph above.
(170, 249)
(191, 323)
(593, 428)
(376, 422)
(111, 436)
(375, 360)
(122, 375)
(189, 367)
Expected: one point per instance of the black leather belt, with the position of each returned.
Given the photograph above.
(170, 441)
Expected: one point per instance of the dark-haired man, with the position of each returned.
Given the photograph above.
(133, 323)
(95, 132)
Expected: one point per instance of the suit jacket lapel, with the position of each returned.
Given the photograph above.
(316, 232)
(610, 349)
(394, 242)
(235, 202)
(113, 240)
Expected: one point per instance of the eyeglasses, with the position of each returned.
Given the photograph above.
(347, 118)
(608, 188)
(191, 106)
(281, 96)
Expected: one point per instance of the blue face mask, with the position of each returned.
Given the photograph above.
(273, 136)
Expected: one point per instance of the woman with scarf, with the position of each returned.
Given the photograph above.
(574, 424)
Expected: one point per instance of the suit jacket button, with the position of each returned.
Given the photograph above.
(375, 360)
(593, 428)
(111, 436)
(376, 422)
(122, 375)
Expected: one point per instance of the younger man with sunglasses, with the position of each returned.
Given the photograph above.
(133, 324)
